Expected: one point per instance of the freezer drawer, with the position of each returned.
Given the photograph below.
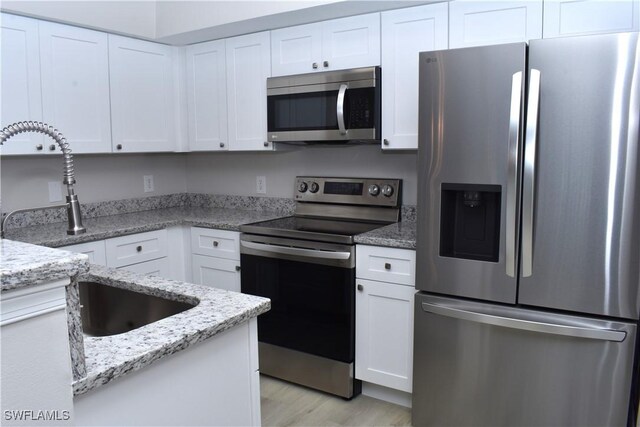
(479, 364)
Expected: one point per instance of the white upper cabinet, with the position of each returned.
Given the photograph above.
(579, 17)
(142, 95)
(329, 45)
(296, 50)
(477, 23)
(21, 92)
(207, 96)
(351, 42)
(75, 85)
(405, 33)
(248, 66)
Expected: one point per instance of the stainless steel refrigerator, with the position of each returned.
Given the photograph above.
(528, 254)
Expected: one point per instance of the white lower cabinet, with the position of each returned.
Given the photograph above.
(384, 324)
(94, 250)
(384, 334)
(216, 272)
(156, 267)
(215, 258)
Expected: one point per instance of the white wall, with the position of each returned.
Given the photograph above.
(108, 177)
(25, 180)
(136, 18)
(235, 173)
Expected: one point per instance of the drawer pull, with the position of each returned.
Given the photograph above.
(52, 147)
(39, 147)
(139, 248)
(119, 147)
(387, 266)
(215, 243)
(237, 268)
(325, 64)
(360, 288)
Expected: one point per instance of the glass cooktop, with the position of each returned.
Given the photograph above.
(326, 230)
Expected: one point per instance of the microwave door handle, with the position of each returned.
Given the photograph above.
(340, 108)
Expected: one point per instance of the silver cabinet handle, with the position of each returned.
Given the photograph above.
(526, 325)
(340, 109)
(529, 178)
(296, 251)
(513, 172)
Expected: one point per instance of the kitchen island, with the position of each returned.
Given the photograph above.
(196, 367)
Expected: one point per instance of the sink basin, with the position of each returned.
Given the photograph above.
(109, 311)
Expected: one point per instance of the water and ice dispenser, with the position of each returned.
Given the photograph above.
(470, 221)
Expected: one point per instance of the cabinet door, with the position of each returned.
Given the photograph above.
(216, 272)
(21, 92)
(580, 17)
(141, 95)
(384, 334)
(405, 33)
(95, 251)
(351, 42)
(248, 66)
(156, 267)
(478, 23)
(75, 85)
(296, 50)
(207, 96)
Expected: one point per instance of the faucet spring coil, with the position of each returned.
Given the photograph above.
(29, 126)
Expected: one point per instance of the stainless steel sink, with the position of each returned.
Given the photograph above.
(109, 311)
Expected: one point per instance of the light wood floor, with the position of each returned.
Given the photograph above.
(286, 404)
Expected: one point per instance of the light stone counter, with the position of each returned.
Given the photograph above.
(217, 310)
(23, 264)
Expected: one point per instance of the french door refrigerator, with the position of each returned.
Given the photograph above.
(528, 252)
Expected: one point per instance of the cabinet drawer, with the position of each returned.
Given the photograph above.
(217, 243)
(95, 251)
(386, 264)
(156, 267)
(136, 248)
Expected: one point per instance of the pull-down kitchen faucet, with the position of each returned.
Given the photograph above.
(73, 205)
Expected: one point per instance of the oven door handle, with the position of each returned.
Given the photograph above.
(286, 250)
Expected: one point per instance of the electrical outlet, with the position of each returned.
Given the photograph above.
(55, 191)
(148, 183)
(261, 184)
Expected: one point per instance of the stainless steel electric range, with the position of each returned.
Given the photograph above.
(305, 264)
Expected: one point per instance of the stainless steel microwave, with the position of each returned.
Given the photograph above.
(329, 106)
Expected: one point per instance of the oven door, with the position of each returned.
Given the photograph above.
(312, 290)
(336, 111)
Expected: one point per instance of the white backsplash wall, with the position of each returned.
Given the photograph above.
(235, 173)
(107, 177)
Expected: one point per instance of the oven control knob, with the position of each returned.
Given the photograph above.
(374, 189)
(314, 187)
(302, 187)
(387, 190)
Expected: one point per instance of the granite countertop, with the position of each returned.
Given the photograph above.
(110, 357)
(23, 264)
(398, 235)
(104, 227)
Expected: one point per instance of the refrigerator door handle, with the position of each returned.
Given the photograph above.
(529, 177)
(526, 325)
(513, 173)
